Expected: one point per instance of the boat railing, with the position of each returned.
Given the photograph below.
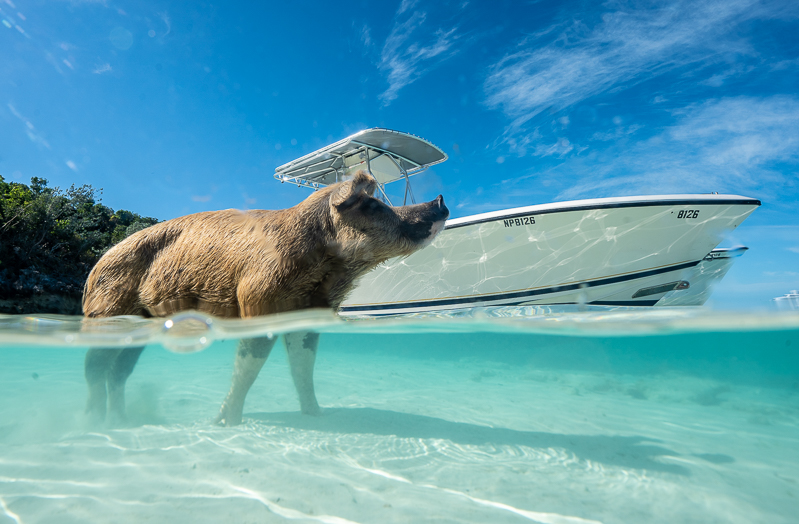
(386, 155)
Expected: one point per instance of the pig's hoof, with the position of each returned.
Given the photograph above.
(226, 419)
(314, 411)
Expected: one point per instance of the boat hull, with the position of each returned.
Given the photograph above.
(623, 251)
(703, 278)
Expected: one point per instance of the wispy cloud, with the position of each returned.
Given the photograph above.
(727, 145)
(366, 36)
(619, 132)
(30, 129)
(785, 64)
(167, 22)
(411, 49)
(556, 70)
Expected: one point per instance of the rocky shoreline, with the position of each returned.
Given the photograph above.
(42, 303)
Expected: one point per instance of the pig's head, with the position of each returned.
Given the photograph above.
(370, 230)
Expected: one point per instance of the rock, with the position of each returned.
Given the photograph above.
(42, 303)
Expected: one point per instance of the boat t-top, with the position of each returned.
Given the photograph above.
(387, 155)
(623, 251)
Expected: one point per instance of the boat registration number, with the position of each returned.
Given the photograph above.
(521, 221)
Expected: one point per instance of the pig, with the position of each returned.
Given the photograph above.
(243, 264)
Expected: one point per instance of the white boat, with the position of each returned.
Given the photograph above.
(625, 251)
(702, 278)
(788, 301)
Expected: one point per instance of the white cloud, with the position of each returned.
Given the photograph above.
(30, 129)
(560, 148)
(727, 145)
(406, 5)
(617, 133)
(167, 22)
(629, 45)
(410, 50)
(366, 36)
(785, 64)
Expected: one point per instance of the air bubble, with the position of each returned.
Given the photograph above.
(187, 332)
(121, 38)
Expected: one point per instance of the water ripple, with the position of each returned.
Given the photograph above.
(193, 331)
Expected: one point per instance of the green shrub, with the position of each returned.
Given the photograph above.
(51, 238)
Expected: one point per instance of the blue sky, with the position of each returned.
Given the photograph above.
(174, 108)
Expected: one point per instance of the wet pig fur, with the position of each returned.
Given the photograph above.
(238, 264)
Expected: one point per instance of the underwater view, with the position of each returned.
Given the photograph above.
(495, 415)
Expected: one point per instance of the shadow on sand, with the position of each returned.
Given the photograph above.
(626, 452)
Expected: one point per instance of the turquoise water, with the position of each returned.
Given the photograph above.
(527, 415)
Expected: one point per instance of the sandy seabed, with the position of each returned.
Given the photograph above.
(401, 440)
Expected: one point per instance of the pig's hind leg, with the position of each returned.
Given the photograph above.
(107, 370)
(117, 377)
(301, 350)
(96, 366)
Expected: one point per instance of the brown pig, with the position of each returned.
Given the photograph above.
(238, 264)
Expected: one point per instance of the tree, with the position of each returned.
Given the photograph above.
(51, 238)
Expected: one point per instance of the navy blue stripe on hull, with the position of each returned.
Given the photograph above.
(624, 302)
(525, 295)
(629, 303)
(614, 205)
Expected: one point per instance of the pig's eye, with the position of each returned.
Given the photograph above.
(372, 206)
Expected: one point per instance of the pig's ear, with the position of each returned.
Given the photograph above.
(347, 193)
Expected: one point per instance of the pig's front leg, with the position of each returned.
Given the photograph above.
(250, 357)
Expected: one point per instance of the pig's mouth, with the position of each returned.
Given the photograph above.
(431, 223)
(438, 217)
(435, 229)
